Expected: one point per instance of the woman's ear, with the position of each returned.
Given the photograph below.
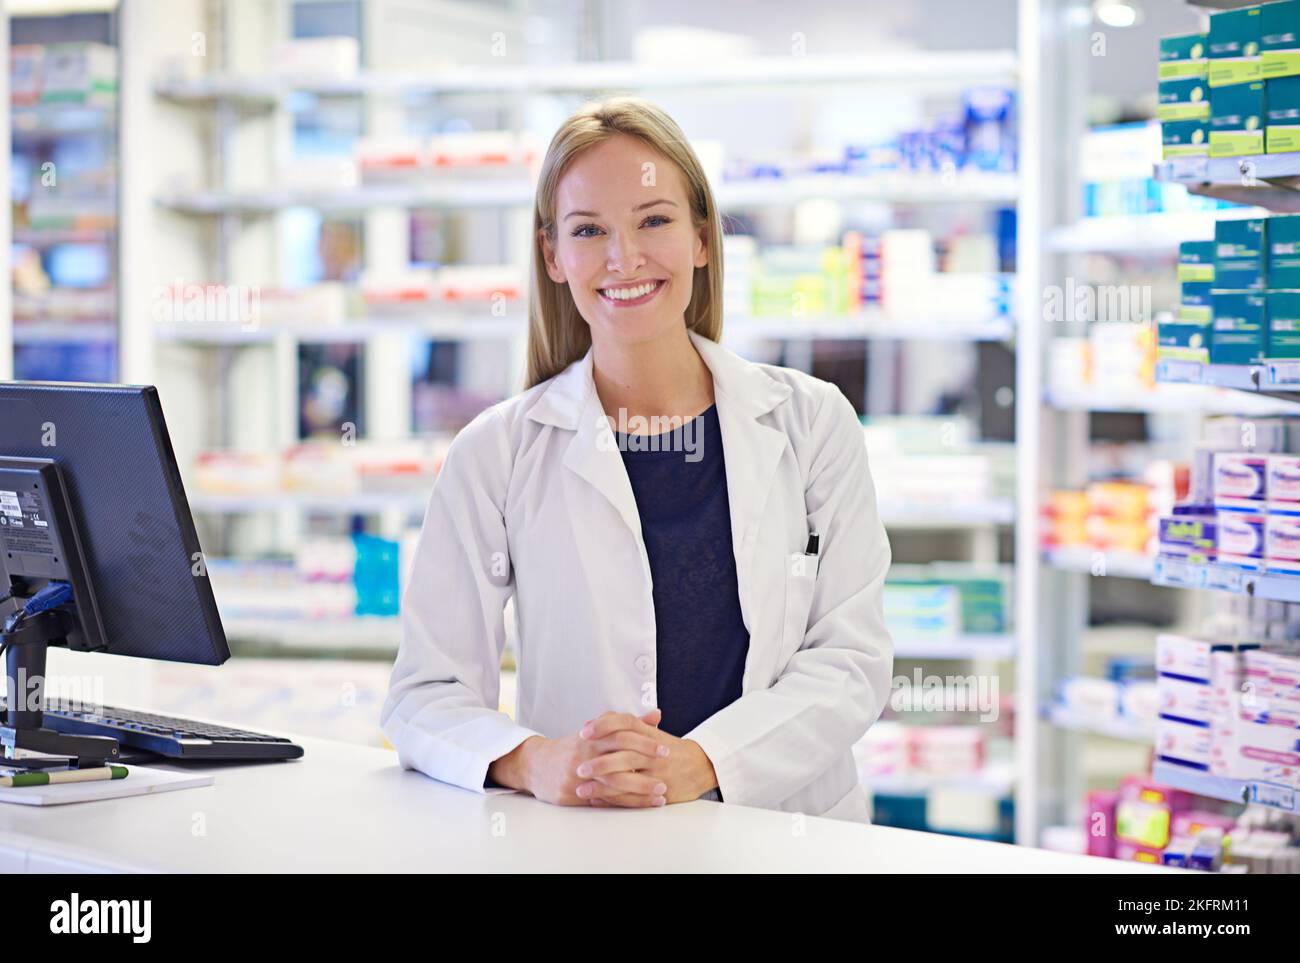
(702, 249)
(548, 258)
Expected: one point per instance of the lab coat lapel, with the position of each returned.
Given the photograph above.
(593, 452)
(751, 453)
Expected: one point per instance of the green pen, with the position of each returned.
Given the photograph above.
(20, 779)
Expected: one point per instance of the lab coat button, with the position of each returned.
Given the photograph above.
(643, 663)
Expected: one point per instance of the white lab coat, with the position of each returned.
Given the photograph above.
(533, 502)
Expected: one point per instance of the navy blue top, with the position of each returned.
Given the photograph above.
(681, 496)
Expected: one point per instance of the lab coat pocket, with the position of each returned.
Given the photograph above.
(800, 580)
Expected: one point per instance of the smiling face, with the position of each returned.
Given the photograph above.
(624, 240)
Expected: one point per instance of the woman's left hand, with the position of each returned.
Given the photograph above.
(686, 770)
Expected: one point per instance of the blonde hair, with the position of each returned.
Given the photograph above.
(557, 334)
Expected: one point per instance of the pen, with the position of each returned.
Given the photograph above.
(813, 540)
(21, 779)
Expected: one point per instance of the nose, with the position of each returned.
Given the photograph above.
(624, 255)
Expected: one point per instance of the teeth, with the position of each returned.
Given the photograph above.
(628, 294)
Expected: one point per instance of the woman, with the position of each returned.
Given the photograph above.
(698, 610)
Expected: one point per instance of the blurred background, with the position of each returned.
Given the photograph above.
(308, 222)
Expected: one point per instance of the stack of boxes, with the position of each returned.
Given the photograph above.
(1236, 90)
(1239, 300)
(1184, 105)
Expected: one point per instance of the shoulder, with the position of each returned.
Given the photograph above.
(815, 407)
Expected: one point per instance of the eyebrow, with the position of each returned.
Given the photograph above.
(639, 207)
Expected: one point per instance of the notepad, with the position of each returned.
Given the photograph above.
(141, 782)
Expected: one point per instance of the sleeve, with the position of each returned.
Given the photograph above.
(441, 712)
(770, 743)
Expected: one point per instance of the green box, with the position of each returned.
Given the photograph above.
(1283, 267)
(1187, 98)
(1182, 56)
(1196, 261)
(1196, 302)
(1240, 254)
(1233, 47)
(1240, 327)
(1282, 115)
(1237, 120)
(1279, 39)
(1283, 324)
(1185, 138)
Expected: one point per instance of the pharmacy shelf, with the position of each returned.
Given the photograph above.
(1176, 573)
(961, 647)
(460, 326)
(1264, 180)
(376, 635)
(1150, 234)
(940, 70)
(343, 504)
(1100, 563)
(1169, 398)
(870, 325)
(1125, 729)
(948, 515)
(1275, 379)
(974, 515)
(996, 779)
(456, 193)
(37, 332)
(1230, 790)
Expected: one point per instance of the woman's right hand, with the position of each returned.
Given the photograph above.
(548, 769)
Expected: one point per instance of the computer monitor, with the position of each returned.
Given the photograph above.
(141, 552)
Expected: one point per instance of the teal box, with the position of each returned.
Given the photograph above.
(1184, 334)
(1284, 251)
(1240, 327)
(1282, 115)
(1182, 57)
(1240, 261)
(1237, 119)
(1185, 138)
(1187, 98)
(1234, 44)
(1196, 261)
(1279, 38)
(1283, 324)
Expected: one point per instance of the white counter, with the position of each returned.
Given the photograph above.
(350, 808)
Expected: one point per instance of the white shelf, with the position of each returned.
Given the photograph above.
(1230, 790)
(1156, 234)
(938, 70)
(448, 329)
(449, 192)
(344, 504)
(962, 647)
(1170, 398)
(996, 779)
(948, 516)
(1175, 573)
(378, 633)
(1112, 564)
(1127, 730)
(462, 327)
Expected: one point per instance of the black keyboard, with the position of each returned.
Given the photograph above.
(168, 735)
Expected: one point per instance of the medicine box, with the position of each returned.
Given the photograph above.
(1241, 254)
(1237, 119)
(1240, 327)
(1233, 47)
(1279, 38)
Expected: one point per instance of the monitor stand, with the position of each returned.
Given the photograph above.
(24, 723)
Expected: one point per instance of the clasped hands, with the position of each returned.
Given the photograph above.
(616, 759)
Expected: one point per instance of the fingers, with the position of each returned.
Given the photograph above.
(653, 717)
(610, 722)
(627, 740)
(618, 776)
(598, 795)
